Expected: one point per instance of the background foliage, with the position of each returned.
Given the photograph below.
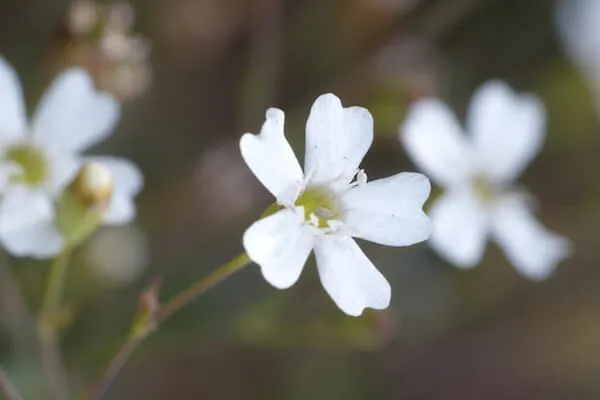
(480, 334)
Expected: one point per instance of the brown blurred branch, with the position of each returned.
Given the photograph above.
(151, 315)
(16, 313)
(7, 387)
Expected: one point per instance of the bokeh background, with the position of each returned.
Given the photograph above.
(216, 66)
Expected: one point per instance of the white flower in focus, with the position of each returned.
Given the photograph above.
(578, 26)
(44, 155)
(506, 132)
(322, 209)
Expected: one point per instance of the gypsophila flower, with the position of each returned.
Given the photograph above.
(506, 132)
(44, 156)
(322, 209)
(102, 39)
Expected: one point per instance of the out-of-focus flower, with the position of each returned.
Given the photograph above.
(101, 39)
(220, 198)
(118, 255)
(578, 26)
(323, 209)
(507, 131)
(46, 154)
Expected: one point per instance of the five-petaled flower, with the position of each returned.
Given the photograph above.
(324, 208)
(506, 132)
(39, 159)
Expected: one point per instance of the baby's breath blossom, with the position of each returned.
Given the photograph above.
(322, 209)
(101, 38)
(506, 133)
(44, 156)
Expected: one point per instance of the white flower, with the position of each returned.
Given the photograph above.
(38, 159)
(322, 209)
(506, 132)
(578, 26)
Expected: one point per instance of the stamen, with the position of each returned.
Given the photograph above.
(314, 220)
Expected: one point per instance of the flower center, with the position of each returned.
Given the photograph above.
(31, 162)
(484, 189)
(320, 206)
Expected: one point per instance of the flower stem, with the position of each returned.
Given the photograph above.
(7, 388)
(48, 335)
(201, 286)
(143, 327)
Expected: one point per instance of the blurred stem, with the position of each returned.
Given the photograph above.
(17, 316)
(48, 329)
(7, 388)
(149, 321)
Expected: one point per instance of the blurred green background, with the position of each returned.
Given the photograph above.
(217, 65)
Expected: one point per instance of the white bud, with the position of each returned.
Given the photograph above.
(82, 17)
(94, 184)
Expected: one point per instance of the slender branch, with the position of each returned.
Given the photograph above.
(115, 367)
(201, 286)
(48, 326)
(18, 318)
(145, 324)
(7, 388)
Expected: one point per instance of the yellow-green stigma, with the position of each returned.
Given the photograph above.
(31, 162)
(319, 206)
(484, 190)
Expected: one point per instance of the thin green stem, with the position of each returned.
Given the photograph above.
(7, 387)
(201, 286)
(48, 329)
(139, 333)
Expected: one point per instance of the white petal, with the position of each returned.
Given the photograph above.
(389, 211)
(532, 249)
(13, 123)
(127, 183)
(26, 224)
(272, 160)
(507, 129)
(127, 177)
(121, 209)
(349, 277)
(280, 245)
(460, 228)
(337, 139)
(62, 168)
(435, 142)
(73, 115)
(578, 27)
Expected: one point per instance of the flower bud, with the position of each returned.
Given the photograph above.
(93, 185)
(80, 208)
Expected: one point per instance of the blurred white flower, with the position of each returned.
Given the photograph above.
(46, 154)
(506, 132)
(323, 209)
(118, 255)
(102, 39)
(578, 26)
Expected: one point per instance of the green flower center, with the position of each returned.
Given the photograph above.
(31, 162)
(484, 189)
(320, 206)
